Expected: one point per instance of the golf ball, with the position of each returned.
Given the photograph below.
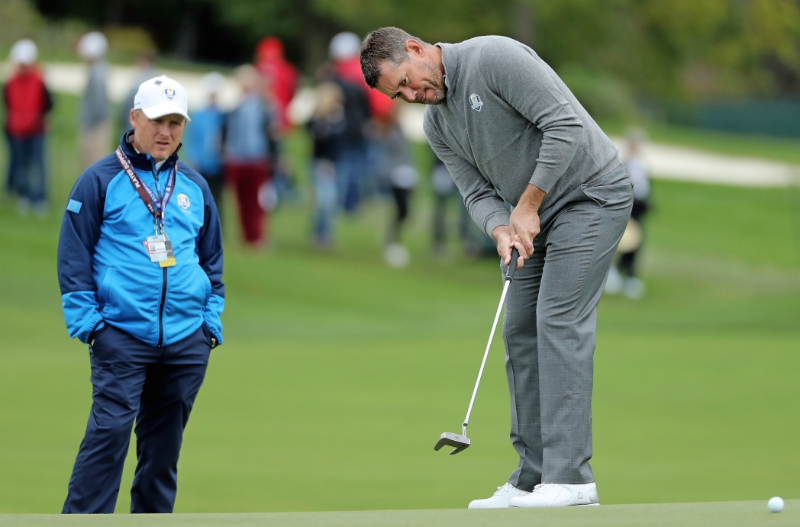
(775, 504)
(396, 255)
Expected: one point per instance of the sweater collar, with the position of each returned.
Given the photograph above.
(144, 161)
(450, 65)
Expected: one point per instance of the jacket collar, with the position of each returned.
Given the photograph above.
(144, 161)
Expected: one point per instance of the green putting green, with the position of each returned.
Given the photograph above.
(718, 514)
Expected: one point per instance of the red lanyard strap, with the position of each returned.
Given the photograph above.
(148, 198)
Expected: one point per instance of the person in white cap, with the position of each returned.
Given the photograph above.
(352, 158)
(140, 271)
(145, 69)
(94, 128)
(250, 152)
(203, 143)
(26, 101)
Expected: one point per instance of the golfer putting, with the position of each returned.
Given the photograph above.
(510, 131)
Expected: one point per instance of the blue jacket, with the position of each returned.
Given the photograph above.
(203, 141)
(247, 131)
(105, 272)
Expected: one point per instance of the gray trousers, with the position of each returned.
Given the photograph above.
(550, 328)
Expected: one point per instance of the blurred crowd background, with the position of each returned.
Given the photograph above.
(326, 189)
(282, 69)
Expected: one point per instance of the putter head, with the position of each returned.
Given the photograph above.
(450, 439)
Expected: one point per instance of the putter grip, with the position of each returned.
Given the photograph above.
(512, 265)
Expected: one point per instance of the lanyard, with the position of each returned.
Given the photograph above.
(148, 198)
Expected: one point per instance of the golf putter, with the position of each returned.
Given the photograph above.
(461, 442)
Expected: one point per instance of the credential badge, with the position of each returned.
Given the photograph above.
(183, 201)
(475, 102)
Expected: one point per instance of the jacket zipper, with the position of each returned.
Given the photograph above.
(161, 306)
(163, 273)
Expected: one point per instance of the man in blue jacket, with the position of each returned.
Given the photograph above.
(140, 270)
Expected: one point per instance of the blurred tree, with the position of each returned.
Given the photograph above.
(439, 21)
(298, 23)
(17, 20)
(659, 49)
(188, 28)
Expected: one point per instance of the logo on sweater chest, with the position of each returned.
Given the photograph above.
(183, 201)
(475, 102)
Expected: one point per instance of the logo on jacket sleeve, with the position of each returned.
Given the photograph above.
(475, 102)
(183, 201)
(74, 206)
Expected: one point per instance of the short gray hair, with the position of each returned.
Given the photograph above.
(385, 44)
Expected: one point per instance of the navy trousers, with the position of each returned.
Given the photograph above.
(156, 387)
(26, 174)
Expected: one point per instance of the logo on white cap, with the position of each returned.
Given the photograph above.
(161, 96)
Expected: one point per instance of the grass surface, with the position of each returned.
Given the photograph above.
(728, 514)
(338, 373)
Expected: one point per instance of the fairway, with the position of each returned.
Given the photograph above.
(720, 514)
(338, 374)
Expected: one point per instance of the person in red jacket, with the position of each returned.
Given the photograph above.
(27, 101)
(344, 50)
(280, 76)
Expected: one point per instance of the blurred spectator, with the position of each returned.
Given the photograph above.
(94, 126)
(474, 241)
(26, 101)
(444, 192)
(402, 177)
(622, 277)
(248, 149)
(326, 129)
(351, 164)
(203, 139)
(280, 84)
(634, 162)
(147, 70)
(344, 51)
(280, 77)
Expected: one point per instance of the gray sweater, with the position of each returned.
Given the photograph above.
(509, 121)
(95, 106)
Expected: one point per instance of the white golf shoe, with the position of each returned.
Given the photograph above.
(499, 499)
(558, 495)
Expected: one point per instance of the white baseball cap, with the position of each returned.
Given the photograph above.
(24, 52)
(161, 96)
(92, 46)
(344, 45)
(213, 81)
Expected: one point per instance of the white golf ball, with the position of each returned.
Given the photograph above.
(775, 504)
(396, 255)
